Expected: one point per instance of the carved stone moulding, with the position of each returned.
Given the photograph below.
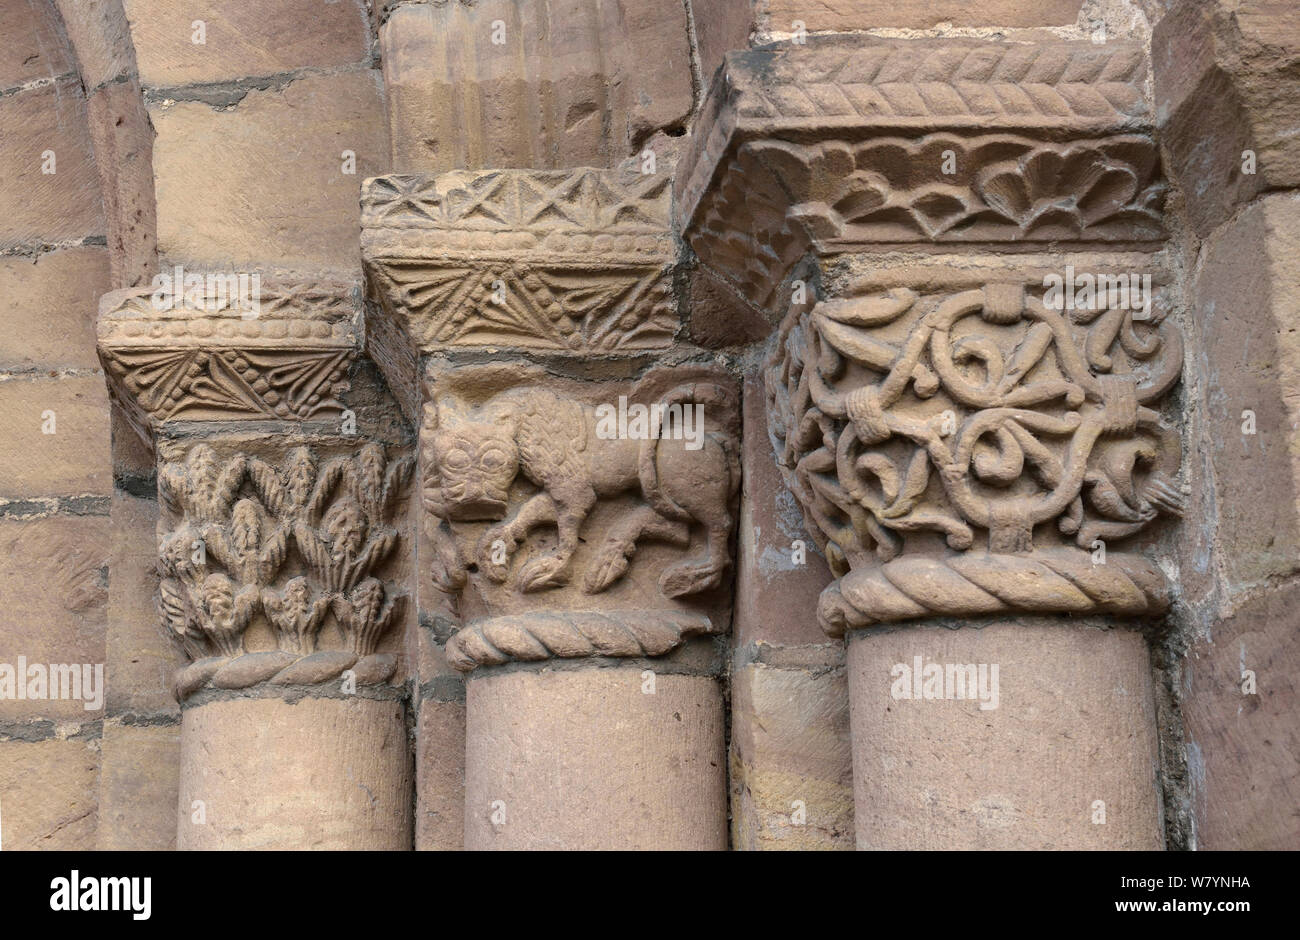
(287, 357)
(843, 143)
(574, 261)
(979, 443)
(279, 559)
(574, 518)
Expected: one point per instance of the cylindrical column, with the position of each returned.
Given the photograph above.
(282, 559)
(316, 773)
(594, 758)
(1032, 733)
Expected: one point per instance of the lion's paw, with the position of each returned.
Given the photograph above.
(681, 580)
(609, 566)
(542, 573)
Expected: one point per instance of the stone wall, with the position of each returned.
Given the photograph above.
(372, 539)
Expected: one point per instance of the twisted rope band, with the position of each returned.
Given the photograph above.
(278, 667)
(1046, 581)
(573, 634)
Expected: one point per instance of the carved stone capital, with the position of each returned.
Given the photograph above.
(206, 357)
(976, 443)
(574, 518)
(279, 526)
(843, 143)
(279, 571)
(574, 261)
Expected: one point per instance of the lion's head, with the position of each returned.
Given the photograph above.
(475, 458)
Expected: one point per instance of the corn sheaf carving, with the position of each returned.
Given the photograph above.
(914, 428)
(239, 522)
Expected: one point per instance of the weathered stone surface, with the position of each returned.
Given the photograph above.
(510, 446)
(1244, 747)
(791, 759)
(915, 14)
(718, 318)
(1225, 83)
(139, 658)
(138, 787)
(266, 178)
(237, 349)
(72, 461)
(1246, 298)
(33, 48)
(319, 774)
(777, 581)
(440, 777)
(906, 481)
(224, 558)
(242, 40)
(569, 83)
(63, 621)
(49, 792)
(720, 27)
(578, 261)
(101, 39)
(585, 759)
(123, 142)
(948, 774)
(841, 143)
(48, 304)
(37, 206)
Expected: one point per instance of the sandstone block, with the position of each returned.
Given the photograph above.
(1243, 746)
(71, 461)
(266, 179)
(241, 39)
(33, 47)
(36, 205)
(49, 793)
(123, 140)
(48, 304)
(440, 777)
(140, 659)
(53, 589)
(781, 572)
(1246, 299)
(101, 38)
(791, 759)
(585, 759)
(1074, 724)
(1225, 74)
(561, 83)
(318, 774)
(139, 776)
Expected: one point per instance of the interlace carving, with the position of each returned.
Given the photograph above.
(908, 424)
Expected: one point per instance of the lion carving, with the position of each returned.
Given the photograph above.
(474, 455)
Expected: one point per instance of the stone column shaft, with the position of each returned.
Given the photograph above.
(969, 437)
(579, 497)
(279, 559)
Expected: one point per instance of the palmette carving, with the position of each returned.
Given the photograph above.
(295, 544)
(203, 358)
(504, 472)
(947, 448)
